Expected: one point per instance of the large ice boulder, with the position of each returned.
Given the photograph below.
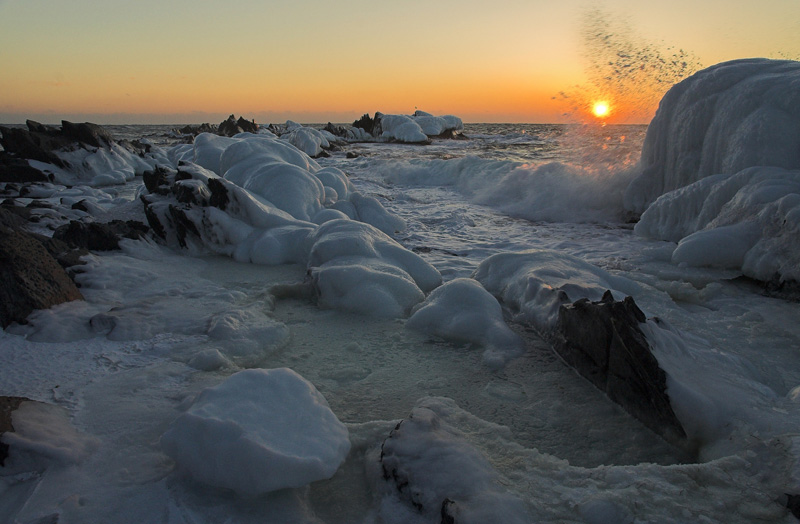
(258, 431)
(721, 170)
(721, 120)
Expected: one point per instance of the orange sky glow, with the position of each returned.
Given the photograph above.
(510, 61)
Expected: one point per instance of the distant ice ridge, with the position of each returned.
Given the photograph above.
(721, 170)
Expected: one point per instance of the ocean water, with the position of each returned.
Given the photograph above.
(555, 443)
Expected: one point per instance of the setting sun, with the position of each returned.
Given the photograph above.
(600, 109)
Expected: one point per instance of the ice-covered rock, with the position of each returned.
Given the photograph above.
(585, 314)
(79, 153)
(308, 140)
(461, 310)
(400, 128)
(721, 120)
(429, 465)
(721, 169)
(258, 431)
(356, 267)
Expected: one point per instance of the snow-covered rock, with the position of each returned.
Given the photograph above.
(461, 310)
(721, 170)
(258, 431)
(308, 140)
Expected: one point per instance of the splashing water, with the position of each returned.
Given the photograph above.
(624, 71)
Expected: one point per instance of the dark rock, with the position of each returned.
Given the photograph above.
(18, 170)
(231, 126)
(86, 133)
(353, 154)
(336, 130)
(159, 180)
(191, 130)
(448, 512)
(80, 206)
(793, 503)
(24, 144)
(30, 278)
(604, 342)
(366, 123)
(219, 194)
(7, 406)
(99, 237)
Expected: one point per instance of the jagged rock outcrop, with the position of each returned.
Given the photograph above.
(366, 122)
(190, 130)
(232, 126)
(604, 342)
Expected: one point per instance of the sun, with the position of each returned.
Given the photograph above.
(601, 109)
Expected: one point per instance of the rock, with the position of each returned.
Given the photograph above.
(18, 170)
(604, 342)
(191, 130)
(86, 133)
(793, 504)
(366, 123)
(99, 237)
(7, 406)
(231, 126)
(336, 130)
(30, 278)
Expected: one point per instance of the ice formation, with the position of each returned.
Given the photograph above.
(258, 431)
(721, 170)
(463, 311)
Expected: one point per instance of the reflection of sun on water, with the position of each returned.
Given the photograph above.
(600, 109)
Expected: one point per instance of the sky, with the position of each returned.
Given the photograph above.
(178, 61)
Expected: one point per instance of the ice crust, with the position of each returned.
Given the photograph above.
(258, 431)
(720, 169)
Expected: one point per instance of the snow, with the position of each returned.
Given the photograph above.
(260, 430)
(461, 310)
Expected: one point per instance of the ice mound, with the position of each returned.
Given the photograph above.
(720, 169)
(463, 311)
(258, 431)
(536, 283)
(748, 221)
(721, 120)
(308, 140)
(356, 267)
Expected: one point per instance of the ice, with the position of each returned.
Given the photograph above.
(461, 310)
(721, 120)
(308, 140)
(44, 430)
(748, 221)
(720, 169)
(536, 283)
(356, 267)
(553, 192)
(258, 431)
(402, 128)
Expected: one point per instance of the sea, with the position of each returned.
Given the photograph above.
(533, 432)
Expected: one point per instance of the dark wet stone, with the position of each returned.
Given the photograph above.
(30, 278)
(232, 126)
(18, 170)
(366, 123)
(604, 342)
(86, 133)
(99, 237)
